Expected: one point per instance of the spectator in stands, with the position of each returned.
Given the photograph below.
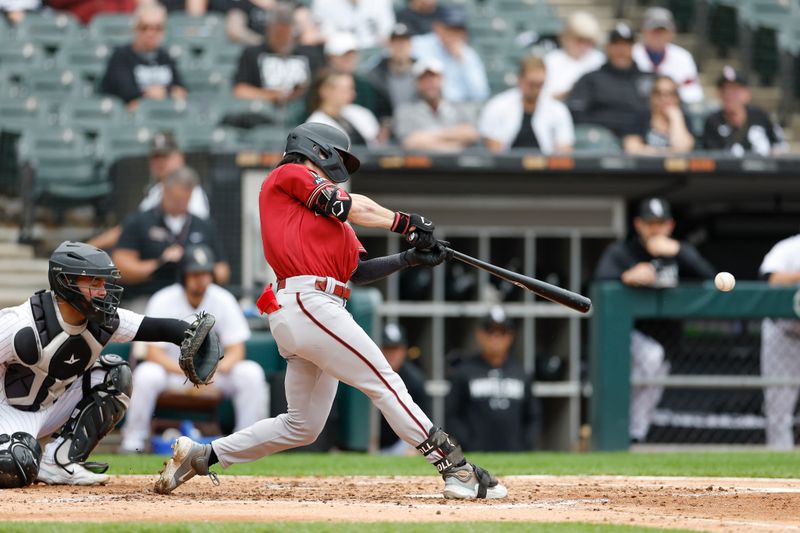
(419, 15)
(341, 55)
(523, 117)
(245, 21)
(780, 347)
(236, 378)
(143, 69)
(152, 242)
(370, 21)
(464, 74)
(577, 56)
(432, 123)
(390, 76)
(85, 11)
(650, 257)
(165, 157)
(616, 95)
(658, 54)
(739, 127)
(664, 131)
(332, 103)
(490, 402)
(14, 10)
(277, 71)
(395, 349)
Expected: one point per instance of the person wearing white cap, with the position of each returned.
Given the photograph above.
(370, 21)
(576, 57)
(657, 53)
(432, 123)
(523, 117)
(464, 75)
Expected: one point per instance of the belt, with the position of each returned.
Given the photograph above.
(337, 288)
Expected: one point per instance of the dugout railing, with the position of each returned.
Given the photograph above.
(729, 366)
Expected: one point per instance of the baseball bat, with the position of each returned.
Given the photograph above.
(551, 292)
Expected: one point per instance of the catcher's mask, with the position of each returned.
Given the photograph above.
(325, 146)
(72, 259)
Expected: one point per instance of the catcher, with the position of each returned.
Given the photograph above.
(57, 388)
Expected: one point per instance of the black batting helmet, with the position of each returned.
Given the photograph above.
(197, 258)
(326, 146)
(72, 259)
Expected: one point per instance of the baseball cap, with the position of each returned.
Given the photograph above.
(400, 30)
(163, 142)
(497, 319)
(453, 16)
(427, 64)
(197, 258)
(621, 32)
(583, 25)
(658, 17)
(340, 43)
(654, 209)
(731, 75)
(394, 335)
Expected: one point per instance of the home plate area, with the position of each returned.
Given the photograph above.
(702, 504)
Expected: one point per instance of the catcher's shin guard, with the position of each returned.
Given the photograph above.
(19, 462)
(100, 409)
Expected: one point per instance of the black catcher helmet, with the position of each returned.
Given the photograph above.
(326, 146)
(72, 259)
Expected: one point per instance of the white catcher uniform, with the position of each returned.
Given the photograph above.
(41, 358)
(245, 383)
(780, 352)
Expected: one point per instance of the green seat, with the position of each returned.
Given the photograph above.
(119, 139)
(242, 113)
(224, 55)
(267, 138)
(53, 84)
(49, 29)
(206, 81)
(593, 138)
(91, 115)
(113, 29)
(87, 58)
(161, 114)
(18, 114)
(196, 33)
(16, 52)
(217, 140)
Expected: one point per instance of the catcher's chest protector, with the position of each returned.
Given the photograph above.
(51, 355)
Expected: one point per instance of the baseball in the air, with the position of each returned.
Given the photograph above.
(725, 281)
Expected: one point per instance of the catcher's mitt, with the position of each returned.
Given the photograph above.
(200, 350)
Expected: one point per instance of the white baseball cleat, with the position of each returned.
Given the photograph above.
(468, 482)
(71, 474)
(188, 459)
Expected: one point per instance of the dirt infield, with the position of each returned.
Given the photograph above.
(703, 504)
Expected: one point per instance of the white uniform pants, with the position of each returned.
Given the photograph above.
(323, 345)
(245, 384)
(46, 421)
(647, 361)
(780, 357)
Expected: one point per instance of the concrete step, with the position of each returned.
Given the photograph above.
(10, 266)
(13, 296)
(25, 278)
(13, 250)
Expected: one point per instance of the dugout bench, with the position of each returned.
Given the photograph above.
(349, 425)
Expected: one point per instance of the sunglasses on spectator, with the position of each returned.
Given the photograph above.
(150, 27)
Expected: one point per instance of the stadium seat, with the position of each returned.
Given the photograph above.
(593, 138)
(196, 33)
(160, 114)
(17, 114)
(113, 29)
(241, 113)
(53, 84)
(16, 52)
(49, 28)
(123, 140)
(697, 114)
(218, 139)
(87, 58)
(224, 55)
(206, 82)
(91, 115)
(267, 138)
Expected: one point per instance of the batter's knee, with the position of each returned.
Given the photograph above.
(19, 462)
(303, 433)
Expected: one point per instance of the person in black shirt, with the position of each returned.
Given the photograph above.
(420, 15)
(615, 96)
(151, 245)
(740, 127)
(143, 69)
(395, 349)
(651, 258)
(490, 401)
(277, 71)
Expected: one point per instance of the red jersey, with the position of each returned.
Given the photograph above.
(297, 240)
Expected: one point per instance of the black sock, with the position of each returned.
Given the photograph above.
(212, 459)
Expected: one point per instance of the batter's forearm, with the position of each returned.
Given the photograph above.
(378, 268)
(366, 212)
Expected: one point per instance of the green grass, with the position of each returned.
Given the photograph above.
(712, 464)
(321, 527)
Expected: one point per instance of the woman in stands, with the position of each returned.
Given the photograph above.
(664, 131)
(331, 102)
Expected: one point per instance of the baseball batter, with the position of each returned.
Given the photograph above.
(309, 243)
(53, 381)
